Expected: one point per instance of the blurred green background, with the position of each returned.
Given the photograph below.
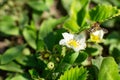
(22, 20)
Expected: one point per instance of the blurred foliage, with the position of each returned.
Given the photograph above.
(30, 31)
(71, 74)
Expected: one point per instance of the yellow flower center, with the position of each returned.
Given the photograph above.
(73, 43)
(94, 38)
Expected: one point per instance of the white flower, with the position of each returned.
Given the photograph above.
(97, 35)
(76, 42)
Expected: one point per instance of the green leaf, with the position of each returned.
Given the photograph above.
(11, 67)
(22, 76)
(38, 5)
(97, 62)
(94, 50)
(112, 38)
(76, 6)
(114, 51)
(50, 40)
(34, 74)
(26, 51)
(113, 2)
(66, 4)
(109, 70)
(73, 6)
(40, 45)
(19, 77)
(27, 60)
(93, 72)
(71, 25)
(9, 30)
(75, 74)
(11, 54)
(49, 3)
(68, 60)
(109, 23)
(78, 16)
(83, 14)
(30, 36)
(102, 1)
(48, 25)
(81, 57)
(8, 26)
(71, 57)
(46, 35)
(103, 12)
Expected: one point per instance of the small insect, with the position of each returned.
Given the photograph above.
(96, 26)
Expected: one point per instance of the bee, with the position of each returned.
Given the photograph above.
(96, 26)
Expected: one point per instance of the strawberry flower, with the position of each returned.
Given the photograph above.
(97, 36)
(76, 42)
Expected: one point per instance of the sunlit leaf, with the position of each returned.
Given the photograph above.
(11, 54)
(48, 25)
(78, 16)
(49, 3)
(71, 57)
(103, 12)
(11, 67)
(101, 1)
(38, 5)
(97, 62)
(66, 4)
(113, 2)
(71, 25)
(30, 36)
(18, 77)
(8, 26)
(76, 6)
(109, 70)
(83, 13)
(75, 74)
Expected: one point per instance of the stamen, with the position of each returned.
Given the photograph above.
(95, 38)
(73, 43)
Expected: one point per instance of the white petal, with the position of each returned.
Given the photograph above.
(62, 42)
(82, 40)
(101, 34)
(96, 32)
(76, 49)
(81, 47)
(80, 37)
(67, 36)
